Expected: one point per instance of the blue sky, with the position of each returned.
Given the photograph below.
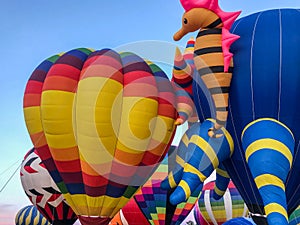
(34, 30)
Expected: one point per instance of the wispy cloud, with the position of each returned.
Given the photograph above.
(8, 213)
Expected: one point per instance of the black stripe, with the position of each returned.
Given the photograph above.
(135, 66)
(70, 60)
(213, 69)
(222, 109)
(35, 192)
(221, 122)
(215, 23)
(51, 190)
(30, 161)
(209, 31)
(219, 90)
(203, 51)
(45, 213)
(184, 85)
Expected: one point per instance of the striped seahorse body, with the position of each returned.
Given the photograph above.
(212, 58)
(209, 61)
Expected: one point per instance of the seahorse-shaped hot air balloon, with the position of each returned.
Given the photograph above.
(263, 115)
(212, 58)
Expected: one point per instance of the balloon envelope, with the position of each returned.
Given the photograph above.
(43, 192)
(106, 120)
(29, 215)
(211, 211)
(261, 90)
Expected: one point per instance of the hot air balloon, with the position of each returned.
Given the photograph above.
(43, 192)
(29, 215)
(101, 122)
(214, 212)
(258, 106)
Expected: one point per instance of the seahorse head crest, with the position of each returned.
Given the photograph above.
(227, 18)
(190, 4)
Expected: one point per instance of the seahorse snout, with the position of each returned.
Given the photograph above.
(179, 34)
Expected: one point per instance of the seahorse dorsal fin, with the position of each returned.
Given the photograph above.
(227, 40)
(228, 18)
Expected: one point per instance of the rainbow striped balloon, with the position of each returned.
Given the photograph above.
(101, 122)
(216, 212)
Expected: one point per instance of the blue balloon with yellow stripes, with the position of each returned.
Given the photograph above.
(29, 215)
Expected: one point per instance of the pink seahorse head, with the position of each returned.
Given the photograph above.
(227, 18)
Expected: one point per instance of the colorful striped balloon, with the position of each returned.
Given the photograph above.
(29, 215)
(101, 121)
(216, 212)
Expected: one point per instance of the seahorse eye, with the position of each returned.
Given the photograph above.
(185, 21)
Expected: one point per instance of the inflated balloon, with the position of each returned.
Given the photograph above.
(240, 221)
(29, 215)
(215, 212)
(262, 112)
(43, 192)
(101, 122)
